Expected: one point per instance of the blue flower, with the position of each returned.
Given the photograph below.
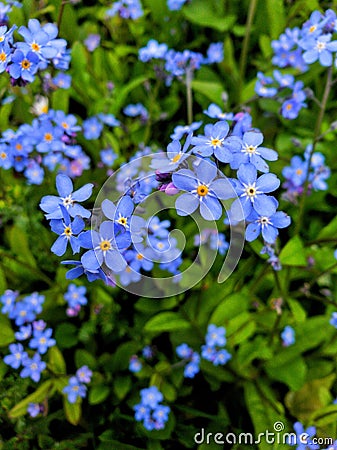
(216, 141)
(108, 157)
(288, 336)
(84, 374)
(34, 409)
(151, 396)
(92, 42)
(42, 340)
(266, 225)
(17, 356)
(51, 204)
(24, 333)
(319, 48)
(23, 65)
(221, 357)
(215, 336)
(302, 444)
(175, 5)
(215, 53)
(251, 152)
(192, 368)
(135, 364)
(261, 86)
(152, 50)
(75, 295)
(180, 130)
(92, 128)
(137, 109)
(5, 56)
(67, 231)
(170, 161)
(8, 300)
(32, 367)
(106, 249)
(74, 390)
(127, 9)
(215, 112)
(203, 191)
(333, 320)
(217, 241)
(184, 351)
(252, 193)
(62, 80)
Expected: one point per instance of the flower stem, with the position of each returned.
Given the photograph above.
(317, 133)
(189, 98)
(245, 45)
(61, 11)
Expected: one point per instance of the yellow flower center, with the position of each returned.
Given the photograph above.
(216, 142)
(250, 149)
(123, 221)
(64, 125)
(3, 155)
(44, 109)
(299, 172)
(35, 47)
(18, 147)
(25, 64)
(251, 191)
(202, 190)
(289, 106)
(176, 158)
(67, 231)
(43, 340)
(48, 137)
(105, 246)
(312, 28)
(2, 56)
(140, 256)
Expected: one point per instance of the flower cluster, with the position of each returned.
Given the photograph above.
(22, 60)
(215, 241)
(297, 174)
(285, 89)
(297, 440)
(49, 142)
(126, 9)
(76, 387)
(75, 298)
(24, 313)
(179, 64)
(150, 411)
(212, 351)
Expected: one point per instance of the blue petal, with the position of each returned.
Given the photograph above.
(210, 208)
(106, 229)
(240, 209)
(185, 180)
(264, 205)
(269, 234)
(325, 58)
(77, 225)
(206, 172)
(75, 245)
(247, 173)
(85, 239)
(109, 209)
(254, 138)
(222, 188)
(64, 185)
(252, 231)
(267, 183)
(78, 210)
(60, 245)
(259, 163)
(223, 154)
(57, 226)
(83, 193)
(89, 260)
(115, 261)
(268, 153)
(186, 204)
(125, 206)
(280, 220)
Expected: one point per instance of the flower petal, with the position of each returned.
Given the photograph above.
(186, 204)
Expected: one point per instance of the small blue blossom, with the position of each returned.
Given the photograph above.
(319, 48)
(74, 390)
(32, 367)
(92, 128)
(34, 409)
(42, 340)
(175, 5)
(75, 296)
(84, 374)
(215, 336)
(23, 65)
(108, 157)
(67, 231)
(153, 50)
(288, 336)
(300, 434)
(17, 356)
(92, 42)
(266, 225)
(333, 320)
(135, 364)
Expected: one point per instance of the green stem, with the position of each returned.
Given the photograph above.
(61, 11)
(245, 45)
(189, 99)
(317, 133)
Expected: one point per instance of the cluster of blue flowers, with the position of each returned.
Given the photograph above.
(213, 350)
(150, 411)
(215, 241)
(178, 64)
(285, 89)
(76, 387)
(24, 313)
(93, 126)
(22, 60)
(297, 173)
(50, 142)
(297, 48)
(75, 298)
(126, 9)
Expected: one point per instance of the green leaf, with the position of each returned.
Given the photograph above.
(212, 91)
(329, 231)
(122, 386)
(6, 333)
(98, 394)
(73, 411)
(66, 335)
(166, 321)
(293, 253)
(292, 373)
(18, 241)
(84, 358)
(324, 416)
(36, 397)
(230, 307)
(276, 17)
(240, 328)
(56, 361)
(204, 14)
